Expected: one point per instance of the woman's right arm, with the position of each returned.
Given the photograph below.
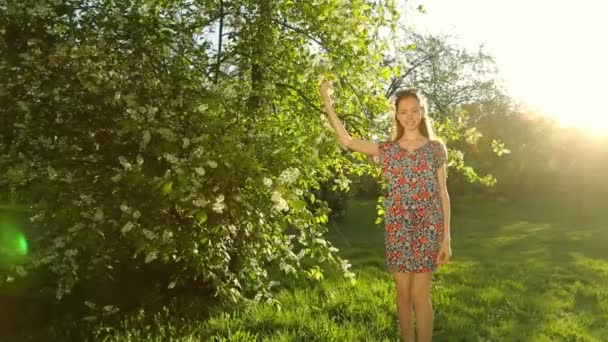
(355, 144)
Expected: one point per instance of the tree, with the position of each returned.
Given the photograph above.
(181, 136)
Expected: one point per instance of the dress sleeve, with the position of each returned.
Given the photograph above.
(441, 154)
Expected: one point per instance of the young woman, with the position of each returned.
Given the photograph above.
(417, 205)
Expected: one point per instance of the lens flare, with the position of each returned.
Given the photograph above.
(13, 242)
(21, 245)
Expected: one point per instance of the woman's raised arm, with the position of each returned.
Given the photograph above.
(355, 144)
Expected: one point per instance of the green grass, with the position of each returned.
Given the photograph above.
(520, 272)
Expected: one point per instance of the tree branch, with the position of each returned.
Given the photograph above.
(397, 82)
(301, 94)
(302, 32)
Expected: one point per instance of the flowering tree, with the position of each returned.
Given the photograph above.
(181, 135)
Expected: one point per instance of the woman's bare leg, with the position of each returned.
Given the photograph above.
(405, 312)
(421, 297)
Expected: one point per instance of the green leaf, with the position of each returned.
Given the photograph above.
(201, 217)
(167, 188)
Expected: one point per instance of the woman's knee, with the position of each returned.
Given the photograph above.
(404, 297)
(420, 295)
(421, 289)
(404, 286)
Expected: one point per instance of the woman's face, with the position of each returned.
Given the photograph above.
(409, 113)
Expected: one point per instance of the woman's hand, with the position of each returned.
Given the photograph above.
(445, 252)
(325, 89)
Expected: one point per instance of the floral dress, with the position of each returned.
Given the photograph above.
(413, 214)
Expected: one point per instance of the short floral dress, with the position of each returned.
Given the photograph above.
(413, 214)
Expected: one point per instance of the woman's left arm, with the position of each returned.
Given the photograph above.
(445, 201)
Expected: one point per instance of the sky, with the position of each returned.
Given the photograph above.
(552, 54)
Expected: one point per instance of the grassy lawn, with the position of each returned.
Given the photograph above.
(520, 272)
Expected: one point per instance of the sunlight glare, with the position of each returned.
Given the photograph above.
(550, 53)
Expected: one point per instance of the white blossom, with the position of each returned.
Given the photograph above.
(212, 164)
(86, 199)
(287, 268)
(199, 202)
(148, 234)
(219, 207)
(472, 135)
(152, 109)
(145, 138)
(36, 217)
(71, 252)
(98, 216)
(281, 206)
(167, 235)
(279, 202)
(198, 152)
(231, 228)
(276, 196)
(171, 158)
(200, 171)
(69, 177)
(21, 271)
(125, 164)
(342, 182)
(289, 175)
(150, 257)
(52, 173)
(267, 182)
(127, 227)
(167, 134)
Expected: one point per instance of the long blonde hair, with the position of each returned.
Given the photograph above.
(425, 127)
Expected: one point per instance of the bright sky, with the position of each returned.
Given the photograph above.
(552, 54)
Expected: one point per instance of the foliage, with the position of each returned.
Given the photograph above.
(181, 136)
(543, 158)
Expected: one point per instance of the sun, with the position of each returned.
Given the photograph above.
(571, 109)
(575, 99)
(549, 58)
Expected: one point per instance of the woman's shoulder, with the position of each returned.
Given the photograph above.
(438, 146)
(437, 142)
